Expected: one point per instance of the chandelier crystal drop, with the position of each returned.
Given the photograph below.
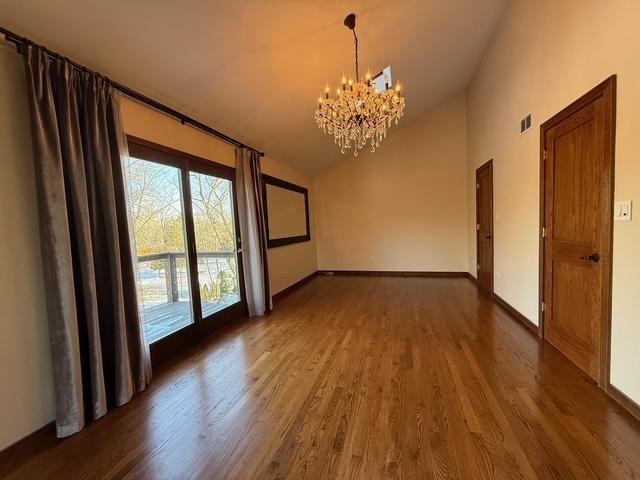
(359, 114)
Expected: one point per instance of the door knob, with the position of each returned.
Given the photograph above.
(594, 257)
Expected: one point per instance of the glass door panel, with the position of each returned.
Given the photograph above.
(215, 239)
(157, 214)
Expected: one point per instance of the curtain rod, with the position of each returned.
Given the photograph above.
(19, 41)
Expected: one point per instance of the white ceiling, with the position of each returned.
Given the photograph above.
(254, 69)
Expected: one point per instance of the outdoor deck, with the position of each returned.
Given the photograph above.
(164, 282)
(165, 318)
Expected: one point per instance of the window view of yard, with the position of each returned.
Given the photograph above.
(158, 217)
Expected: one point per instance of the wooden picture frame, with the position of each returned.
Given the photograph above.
(282, 241)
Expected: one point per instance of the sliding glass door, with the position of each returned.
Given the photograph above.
(157, 213)
(185, 230)
(217, 269)
(216, 242)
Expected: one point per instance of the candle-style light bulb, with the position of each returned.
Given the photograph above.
(326, 91)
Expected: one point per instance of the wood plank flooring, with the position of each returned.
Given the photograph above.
(363, 378)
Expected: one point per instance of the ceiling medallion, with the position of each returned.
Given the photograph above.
(359, 114)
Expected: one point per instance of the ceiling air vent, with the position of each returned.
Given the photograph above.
(525, 124)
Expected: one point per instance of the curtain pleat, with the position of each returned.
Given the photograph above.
(96, 341)
(253, 231)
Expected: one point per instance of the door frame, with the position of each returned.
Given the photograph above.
(487, 165)
(178, 342)
(606, 90)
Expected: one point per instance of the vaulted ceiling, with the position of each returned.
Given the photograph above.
(254, 69)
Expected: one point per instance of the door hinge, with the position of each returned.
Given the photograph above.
(542, 307)
(477, 226)
(544, 232)
(478, 266)
(544, 154)
(477, 185)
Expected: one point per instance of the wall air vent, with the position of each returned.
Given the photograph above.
(525, 124)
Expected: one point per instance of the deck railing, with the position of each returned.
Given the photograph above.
(171, 269)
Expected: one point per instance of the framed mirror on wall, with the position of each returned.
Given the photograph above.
(286, 211)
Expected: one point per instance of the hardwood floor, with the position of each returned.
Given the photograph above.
(365, 378)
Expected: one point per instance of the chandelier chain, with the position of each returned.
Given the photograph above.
(355, 41)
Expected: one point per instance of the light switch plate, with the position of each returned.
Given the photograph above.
(622, 211)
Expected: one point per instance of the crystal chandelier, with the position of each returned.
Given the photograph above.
(359, 114)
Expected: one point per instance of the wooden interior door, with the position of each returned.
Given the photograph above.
(484, 225)
(578, 165)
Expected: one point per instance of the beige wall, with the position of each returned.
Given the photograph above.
(287, 264)
(26, 381)
(545, 55)
(403, 208)
(290, 263)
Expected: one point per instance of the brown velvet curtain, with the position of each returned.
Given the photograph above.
(253, 231)
(97, 347)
